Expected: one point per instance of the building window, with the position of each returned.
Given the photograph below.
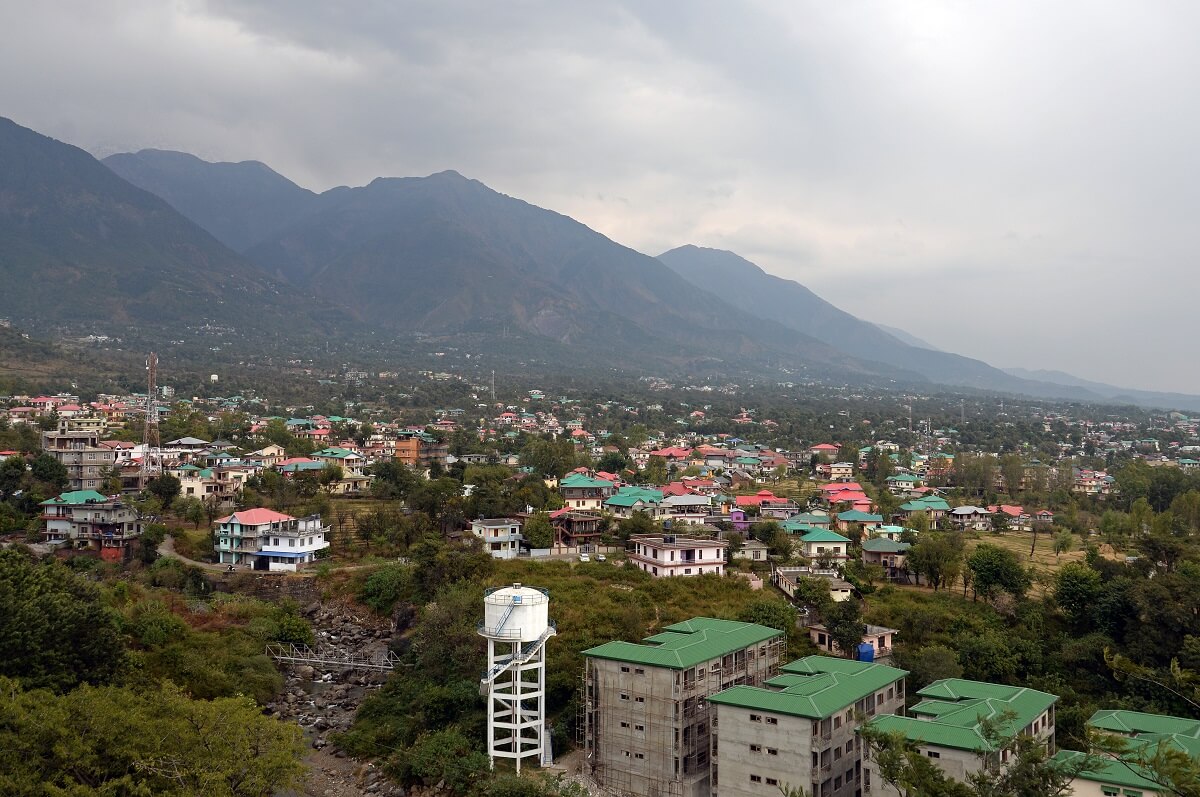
(772, 751)
(624, 697)
(772, 720)
(639, 671)
(639, 727)
(756, 748)
(933, 754)
(639, 700)
(772, 782)
(756, 778)
(624, 724)
(756, 717)
(639, 755)
(624, 669)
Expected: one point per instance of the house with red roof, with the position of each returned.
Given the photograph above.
(263, 539)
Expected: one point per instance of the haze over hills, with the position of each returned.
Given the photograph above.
(238, 203)
(82, 248)
(748, 287)
(442, 254)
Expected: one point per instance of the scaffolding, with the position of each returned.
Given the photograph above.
(289, 653)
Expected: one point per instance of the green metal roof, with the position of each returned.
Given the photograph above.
(953, 708)
(77, 497)
(815, 687)
(854, 516)
(884, 545)
(1101, 769)
(823, 535)
(581, 480)
(927, 503)
(1126, 722)
(628, 500)
(686, 644)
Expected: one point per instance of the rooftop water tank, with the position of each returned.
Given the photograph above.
(866, 652)
(515, 613)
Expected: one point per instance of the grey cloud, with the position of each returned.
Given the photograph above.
(1014, 181)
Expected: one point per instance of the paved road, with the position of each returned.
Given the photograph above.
(167, 549)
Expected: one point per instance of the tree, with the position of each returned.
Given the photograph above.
(931, 663)
(613, 462)
(995, 570)
(191, 509)
(1077, 589)
(772, 613)
(655, 471)
(50, 471)
(539, 531)
(165, 488)
(330, 475)
(111, 740)
(938, 557)
(1064, 541)
(901, 764)
(54, 630)
(12, 473)
(844, 623)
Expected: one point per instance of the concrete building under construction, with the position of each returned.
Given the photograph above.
(646, 715)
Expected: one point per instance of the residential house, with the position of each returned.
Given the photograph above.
(799, 728)
(264, 539)
(91, 520)
(970, 518)
(501, 537)
(671, 555)
(628, 500)
(888, 554)
(865, 521)
(584, 493)
(577, 530)
(819, 544)
(788, 581)
(841, 471)
(947, 726)
(752, 550)
(931, 505)
(647, 711)
(879, 638)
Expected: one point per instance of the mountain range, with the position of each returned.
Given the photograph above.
(166, 239)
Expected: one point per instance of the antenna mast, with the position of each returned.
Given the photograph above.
(150, 438)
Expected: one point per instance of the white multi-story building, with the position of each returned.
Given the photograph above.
(666, 555)
(267, 540)
(501, 536)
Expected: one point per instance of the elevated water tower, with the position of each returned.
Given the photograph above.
(516, 625)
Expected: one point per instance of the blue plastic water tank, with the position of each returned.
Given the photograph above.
(866, 652)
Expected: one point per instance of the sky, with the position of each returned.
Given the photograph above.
(1013, 181)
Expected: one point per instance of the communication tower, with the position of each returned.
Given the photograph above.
(516, 625)
(150, 439)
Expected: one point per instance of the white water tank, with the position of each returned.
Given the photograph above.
(515, 613)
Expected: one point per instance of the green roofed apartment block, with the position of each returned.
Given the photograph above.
(1102, 776)
(647, 718)
(947, 725)
(798, 729)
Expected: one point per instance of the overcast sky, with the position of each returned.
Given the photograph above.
(1015, 180)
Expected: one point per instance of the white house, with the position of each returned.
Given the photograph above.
(267, 540)
(667, 555)
(501, 536)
